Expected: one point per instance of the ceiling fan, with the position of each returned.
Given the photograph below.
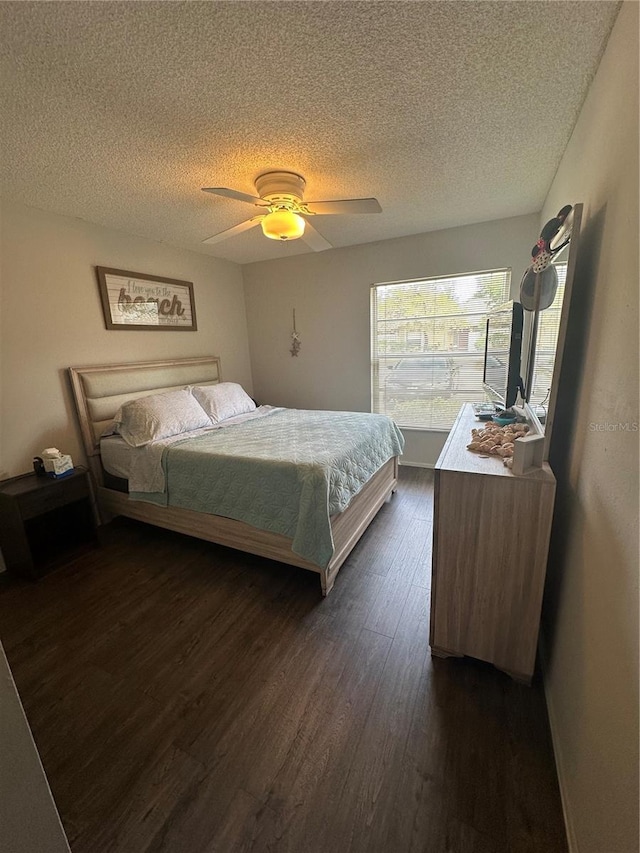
(283, 214)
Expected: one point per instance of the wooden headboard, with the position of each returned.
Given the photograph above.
(100, 390)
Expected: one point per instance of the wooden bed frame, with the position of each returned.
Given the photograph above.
(100, 390)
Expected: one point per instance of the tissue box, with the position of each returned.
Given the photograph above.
(60, 465)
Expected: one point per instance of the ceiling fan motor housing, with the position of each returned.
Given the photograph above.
(281, 188)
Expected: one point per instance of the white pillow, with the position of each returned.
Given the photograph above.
(159, 416)
(222, 401)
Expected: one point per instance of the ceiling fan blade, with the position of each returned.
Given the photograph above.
(314, 239)
(237, 229)
(228, 193)
(345, 205)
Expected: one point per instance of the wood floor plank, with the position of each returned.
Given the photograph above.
(143, 807)
(364, 812)
(186, 697)
(386, 610)
(197, 817)
(378, 546)
(422, 562)
(412, 560)
(306, 793)
(248, 826)
(112, 735)
(416, 494)
(263, 723)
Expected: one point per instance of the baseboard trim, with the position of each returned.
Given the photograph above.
(557, 751)
(417, 464)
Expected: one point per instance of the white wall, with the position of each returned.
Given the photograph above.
(29, 820)
(52, 319)
(591, 606)
(331, 291)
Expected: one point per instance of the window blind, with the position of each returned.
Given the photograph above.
(427, 345)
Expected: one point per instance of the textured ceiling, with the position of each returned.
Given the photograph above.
(447, 112)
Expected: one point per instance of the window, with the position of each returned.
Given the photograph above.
(546, 342)
(427, 345)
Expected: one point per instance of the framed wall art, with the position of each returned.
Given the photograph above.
(135, 301)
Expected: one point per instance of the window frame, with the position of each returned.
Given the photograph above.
(507, 271)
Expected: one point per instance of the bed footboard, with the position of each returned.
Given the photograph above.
(347, 527)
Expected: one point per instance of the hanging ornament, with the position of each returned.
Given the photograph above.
(295, 338)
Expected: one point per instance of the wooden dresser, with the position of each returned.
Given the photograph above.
(491, 533)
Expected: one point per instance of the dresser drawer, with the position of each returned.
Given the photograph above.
(59, 493)
(43, 520)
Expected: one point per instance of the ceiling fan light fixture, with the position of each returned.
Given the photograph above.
(283, 225)
(282, 211)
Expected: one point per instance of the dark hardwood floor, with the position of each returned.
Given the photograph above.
(185, 697)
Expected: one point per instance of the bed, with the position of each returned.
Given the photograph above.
(101, 390)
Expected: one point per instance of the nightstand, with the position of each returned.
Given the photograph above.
(42, 520)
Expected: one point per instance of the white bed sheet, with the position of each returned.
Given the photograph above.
(142, 466)
(116, 456)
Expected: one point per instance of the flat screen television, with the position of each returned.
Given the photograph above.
(502, 353)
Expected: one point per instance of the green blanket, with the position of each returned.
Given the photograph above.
(286, 473)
